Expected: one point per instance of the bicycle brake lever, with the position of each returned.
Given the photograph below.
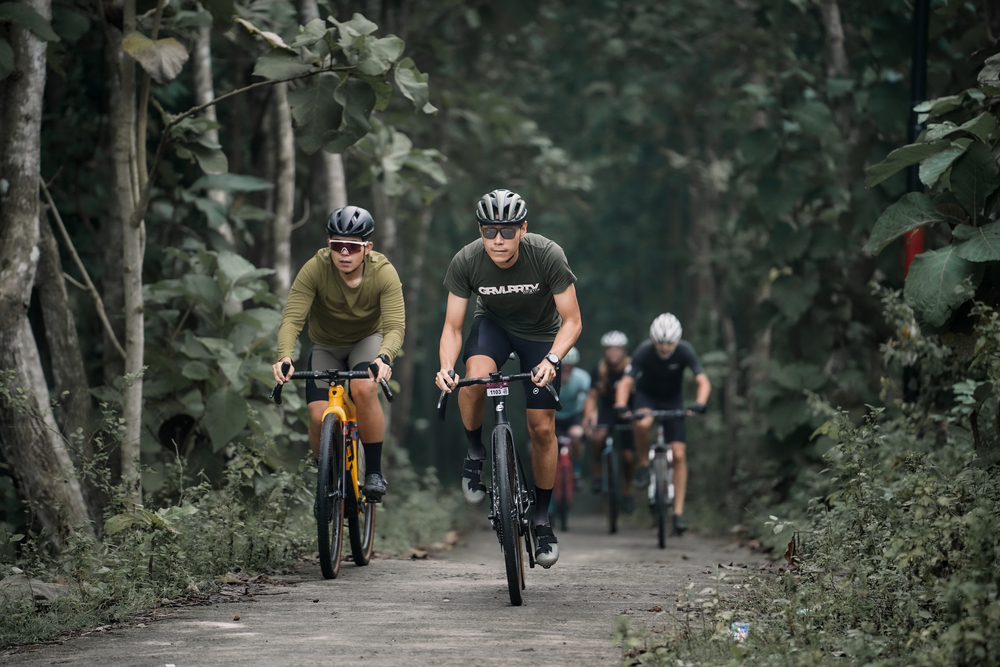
(276, 391)
(386, 390)
(442, 405)
(555, 395)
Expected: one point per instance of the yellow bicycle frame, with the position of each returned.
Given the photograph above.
(342, 406)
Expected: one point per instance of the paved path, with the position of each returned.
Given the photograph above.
(450, 609)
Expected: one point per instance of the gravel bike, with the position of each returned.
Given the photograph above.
(661, 471)
(510, 498)
(610, 479)
(340, 484)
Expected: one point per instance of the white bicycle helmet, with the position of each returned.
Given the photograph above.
(665, 329)
(572, 357)
(614, 338)
(501, 207)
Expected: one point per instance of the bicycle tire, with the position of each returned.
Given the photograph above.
(660, 474)
(510, 514)
(611, 468)
(360, 520)
(330, 496)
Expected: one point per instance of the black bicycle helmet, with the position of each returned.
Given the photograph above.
(350, 221)
(501, 207)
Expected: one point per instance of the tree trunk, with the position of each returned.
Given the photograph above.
(407, 362)
(28, 435)
(112, 282)
(204, 92)
(385, 222)
(285, 196)
(70, 378)
(133, 239)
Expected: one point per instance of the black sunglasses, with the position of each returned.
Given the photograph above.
(506, 232)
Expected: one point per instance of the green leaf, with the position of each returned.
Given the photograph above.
(195, 370)
(937, 107)
(935, 283)
(379, 55)
(358, 100)
(422, 162)
(28, 18)
(225, 417)
(230, 183)
(973, 178)
(271, 38)
(794, 294)
(186, 19)
(357, 26)
(6, 59)
(932, 168)
(382, 88)
(233, 266)
(900, 159)
(984, 127)
(310, 33)
(279, 64)
(414, 85)
(118, 523)
(213, 210)
(989, 76)
(69, 23)
(912, 211)
(211, 160)
(163, 59)
(202, 289)
(978, 244)
(316, 111)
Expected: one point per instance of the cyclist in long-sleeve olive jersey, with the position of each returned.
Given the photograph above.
(354, 301)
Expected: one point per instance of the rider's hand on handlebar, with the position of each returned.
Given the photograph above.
(697, 408)
(543, 373)
(276, 369)
(623, 411)
(384, 370)
(446, 379)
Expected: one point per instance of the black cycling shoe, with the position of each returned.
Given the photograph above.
(546, 545)
(679, 525)
(472, 481)
(375, 486)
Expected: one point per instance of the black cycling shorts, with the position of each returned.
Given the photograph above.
(674, 430)
(487, 338)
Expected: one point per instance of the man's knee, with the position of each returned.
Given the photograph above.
(540, 428)
(364, 391)
(680, 455)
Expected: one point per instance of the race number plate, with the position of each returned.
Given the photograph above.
(496, 389)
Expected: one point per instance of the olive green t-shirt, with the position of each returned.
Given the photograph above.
(340, 316)
(518, 298)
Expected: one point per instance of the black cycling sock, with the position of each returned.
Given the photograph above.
(475, 438)
(373, 457)
(542, 499)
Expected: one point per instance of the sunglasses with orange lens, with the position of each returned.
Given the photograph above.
(352, 247)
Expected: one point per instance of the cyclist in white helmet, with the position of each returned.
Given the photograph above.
(599, 412)
(657, 373)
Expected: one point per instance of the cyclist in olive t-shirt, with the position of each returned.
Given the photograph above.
(526, 303)
(354, 301)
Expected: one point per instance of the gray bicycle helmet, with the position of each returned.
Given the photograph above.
(614, 338)
(501, 207)
(350, 221)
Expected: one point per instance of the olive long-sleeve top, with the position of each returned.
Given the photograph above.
(339, 315)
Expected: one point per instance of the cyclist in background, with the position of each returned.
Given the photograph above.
(657, 372)
(354, 301)
(599, 411)
(573, 395)
(525, 303)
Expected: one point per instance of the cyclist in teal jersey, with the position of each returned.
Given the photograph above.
(573, 394)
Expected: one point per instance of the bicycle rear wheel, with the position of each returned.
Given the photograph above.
(361, 519)
(509, 521)
(660, 499)
(611, 470)
(330, 495)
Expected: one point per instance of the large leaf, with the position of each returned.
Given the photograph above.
(225, 417)
(912, 211)
(6, 59)
(233, 266)
(358, 100)
(935, 283)
(231, 183)
(310, 33)
(316, 111)
(414, 85)
(163, 59)
(211, 159)
(380, 54)
(279, 64)
(989, 76)
(26, 17)
(900, 159)
(932, 168)
(271, 38)
(973, 178)
(978, 244)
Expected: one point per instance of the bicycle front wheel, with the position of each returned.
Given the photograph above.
(660, 500)
(509, 522)
(330, 496)
(611, 470)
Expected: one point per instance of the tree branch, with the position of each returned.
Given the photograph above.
(98, 302)
(143, 107)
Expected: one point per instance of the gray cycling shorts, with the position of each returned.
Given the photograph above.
(355, 357)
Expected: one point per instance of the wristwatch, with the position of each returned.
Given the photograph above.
(384, 357)
(552, 358)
